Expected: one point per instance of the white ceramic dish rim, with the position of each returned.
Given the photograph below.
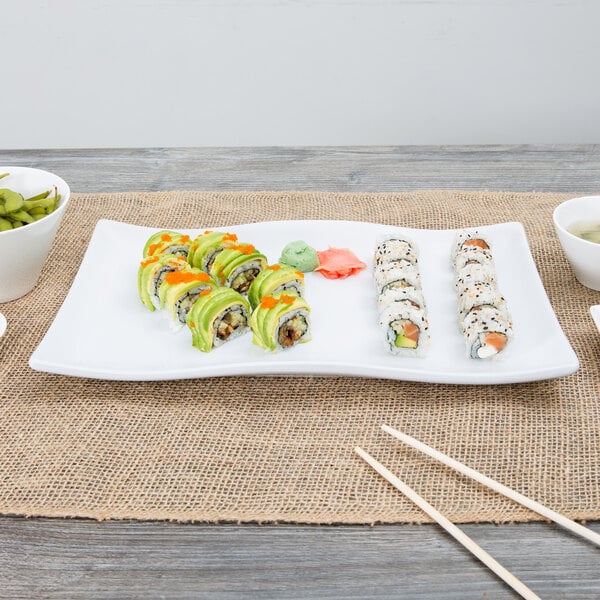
(55, 354)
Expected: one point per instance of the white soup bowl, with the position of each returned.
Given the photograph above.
(583, 255)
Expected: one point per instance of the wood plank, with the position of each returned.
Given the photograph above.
(50, 558)
(56, 558)
(571, 169)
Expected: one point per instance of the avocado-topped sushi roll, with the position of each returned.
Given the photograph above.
(218, 315)
(151, 273)
(167, 242)
(280, 321)
(205, 247)
(180, 289)
(406, 329)
(482, 310)
(236, 266)
(273, 279)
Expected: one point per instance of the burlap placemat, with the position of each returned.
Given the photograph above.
(281, 449)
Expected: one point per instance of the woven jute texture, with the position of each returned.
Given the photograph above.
(277, 449)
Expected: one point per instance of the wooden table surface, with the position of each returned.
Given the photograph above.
(55, 558)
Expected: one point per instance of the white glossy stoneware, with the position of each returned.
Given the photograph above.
(2, 324)
(595, 312)
(103, 330)
(583, 256)
(23, 251)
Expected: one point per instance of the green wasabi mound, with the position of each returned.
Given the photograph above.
(280, 321)
(236, 266)
(151, 273)
(217, 316)
(273, 279)
(299, 255)
(205, 247)
(167, 242)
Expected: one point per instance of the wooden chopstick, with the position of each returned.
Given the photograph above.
(452, 529)
(497, 487)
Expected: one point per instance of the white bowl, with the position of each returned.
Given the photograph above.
(584, 256)
(23, 251)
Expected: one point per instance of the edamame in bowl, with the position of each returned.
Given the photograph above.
(32, 204)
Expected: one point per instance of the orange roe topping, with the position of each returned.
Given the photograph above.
(207, 232)
(268, 302)
(192, 324)
(244, 248)
(274, 267)
(149, 261)
(287, 299)
(205, 292)
(185, 277)
(230, 237)
(152, 248)
(300, 274)
(184, 239)
(165, 237)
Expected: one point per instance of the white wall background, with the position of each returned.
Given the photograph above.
(131, 73)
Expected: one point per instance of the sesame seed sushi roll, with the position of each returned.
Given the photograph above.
(469, 238)
(479, 294)
(393, 248)
(167, 242)
(409, 296)
(236, 266)
(488, 330)
(151, 273)
(397, 279)
(280, 321)
(473, 255)
(474, 273)
(205, 247)
(273, 279)
(180, 289)
(218, 315)
(406, 329)
(397, 270)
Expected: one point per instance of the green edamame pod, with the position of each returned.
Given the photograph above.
(13, 201)
(21, 215)
(5, 224)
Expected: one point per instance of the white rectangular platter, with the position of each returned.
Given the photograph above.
(103, 331)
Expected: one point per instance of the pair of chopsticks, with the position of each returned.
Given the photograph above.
(452, 529)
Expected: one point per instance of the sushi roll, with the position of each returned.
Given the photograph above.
(218, 315)
(273, 279)
(280, 321)
(473, 273)
(483, 314)
(151, 274)
(487, 331)
(405, 328)
(400, 300)
(236, 266)
(167, 242)
(401, 271)
(393, 248)
(205, 247)
(473, 295)
(409, 296)
(470, 255)
(180, 289)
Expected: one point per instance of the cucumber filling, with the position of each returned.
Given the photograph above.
(242, 282)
